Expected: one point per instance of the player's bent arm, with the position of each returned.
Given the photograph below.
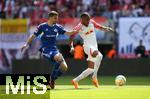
(71, 42)
(30, 39)
(71, 34)
(71, 45)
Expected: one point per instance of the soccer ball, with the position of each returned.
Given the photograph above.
(120, 80)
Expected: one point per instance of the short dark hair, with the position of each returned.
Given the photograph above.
(85, 14)
(52, 13)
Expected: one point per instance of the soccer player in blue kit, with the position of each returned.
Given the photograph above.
(48, 32)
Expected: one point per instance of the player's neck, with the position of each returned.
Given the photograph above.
(50, 23)
(86, 25)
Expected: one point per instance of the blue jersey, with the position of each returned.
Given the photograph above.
(48, 34)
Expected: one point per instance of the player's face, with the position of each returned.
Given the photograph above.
(85, 21)
(54, 19)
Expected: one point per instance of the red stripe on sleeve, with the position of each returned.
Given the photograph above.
(96, 25)
(77, 28)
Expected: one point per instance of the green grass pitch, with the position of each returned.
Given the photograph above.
(135, 88)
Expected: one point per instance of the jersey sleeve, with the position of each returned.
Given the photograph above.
(77, 28)
(96, 25)
(61, 29)
(38, 31)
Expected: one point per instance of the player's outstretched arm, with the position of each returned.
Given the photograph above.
(25, 46)
(101, 27)
(107, 29)
(69, 33)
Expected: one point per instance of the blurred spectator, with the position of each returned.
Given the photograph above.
(36, 9)
(87, 4)
(78, 51)
(1, 61)
(137, 11)
(146, 11)
(4, 63)
(140, 50)
(2, 13)
(112, 53)
(9, 8)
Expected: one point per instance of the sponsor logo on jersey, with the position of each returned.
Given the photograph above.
(55, 30)
(89, 32)
(50, 35)
(46, 29)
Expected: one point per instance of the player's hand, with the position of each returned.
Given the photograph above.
(74, 31)
(72, 50)
(24, 48)
(108, 29)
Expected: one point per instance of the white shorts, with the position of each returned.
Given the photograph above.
(89, 50)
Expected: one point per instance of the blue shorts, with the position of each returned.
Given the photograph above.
(49, 53)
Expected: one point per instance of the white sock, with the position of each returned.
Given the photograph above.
(96, 68)
(84, 74)
(97, 65)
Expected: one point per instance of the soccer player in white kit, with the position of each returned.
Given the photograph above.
(86, 30)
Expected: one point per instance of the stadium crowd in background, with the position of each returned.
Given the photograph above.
(38, 9)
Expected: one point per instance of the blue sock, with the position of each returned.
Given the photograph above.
(56, 72)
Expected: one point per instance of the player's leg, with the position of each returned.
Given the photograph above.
(84, 74)
(59, 58)
(98, 59)
(59, 69)
(53, 76)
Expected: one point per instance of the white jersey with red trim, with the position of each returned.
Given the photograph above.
(88, 34)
